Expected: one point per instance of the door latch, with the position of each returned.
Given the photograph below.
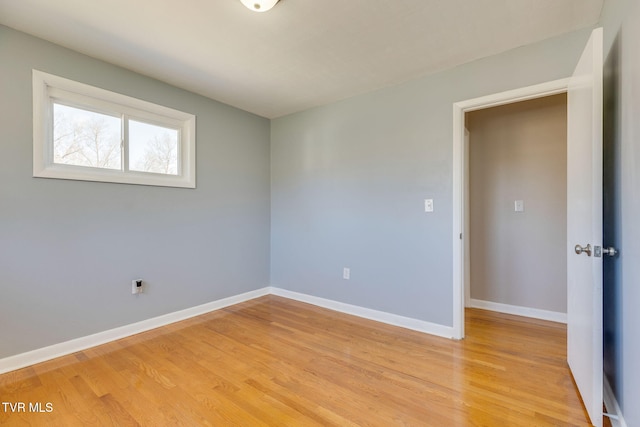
(599, 251)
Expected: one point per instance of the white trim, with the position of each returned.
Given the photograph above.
(459, 110)
(466, 244)
(48, 86)
(536, 313)
(367, 313)
(459, 233)
(614, 413)
(18, 361)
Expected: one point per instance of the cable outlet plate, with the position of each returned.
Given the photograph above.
(136, 286)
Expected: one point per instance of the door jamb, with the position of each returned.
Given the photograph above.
(460, 172)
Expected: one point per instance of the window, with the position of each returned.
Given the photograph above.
(85, 133)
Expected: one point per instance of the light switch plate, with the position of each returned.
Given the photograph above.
(519, 205)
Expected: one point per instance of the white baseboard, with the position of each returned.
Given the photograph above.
(611, 403)
(536, 313)
(18, 361)
(29, 358)
(367, 313)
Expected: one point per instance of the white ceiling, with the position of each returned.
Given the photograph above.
(302, 53)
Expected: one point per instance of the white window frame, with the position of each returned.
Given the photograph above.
(47, 87)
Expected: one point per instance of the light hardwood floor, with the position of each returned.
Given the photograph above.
(276, 362)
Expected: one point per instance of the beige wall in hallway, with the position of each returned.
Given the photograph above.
(518, 152)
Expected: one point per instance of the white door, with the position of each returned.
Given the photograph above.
(584, 226)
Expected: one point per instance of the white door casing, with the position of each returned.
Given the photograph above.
(584, 226)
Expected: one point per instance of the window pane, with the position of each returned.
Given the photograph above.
(85, 138)
(153, 148)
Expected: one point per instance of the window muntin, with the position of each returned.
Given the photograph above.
(86, 133)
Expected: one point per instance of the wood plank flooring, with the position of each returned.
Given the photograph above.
(276, 362)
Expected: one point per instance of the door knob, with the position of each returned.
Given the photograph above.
(586, 249)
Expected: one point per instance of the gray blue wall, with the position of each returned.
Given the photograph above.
(621, 22)
(69, 249)
(349, 180)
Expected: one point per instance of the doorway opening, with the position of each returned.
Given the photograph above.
(516, 215)
(461, 228)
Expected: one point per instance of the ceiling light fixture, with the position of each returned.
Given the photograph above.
(259, 5)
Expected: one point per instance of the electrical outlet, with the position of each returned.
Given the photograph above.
(346, 273)
(428, 205)
(136, 286)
